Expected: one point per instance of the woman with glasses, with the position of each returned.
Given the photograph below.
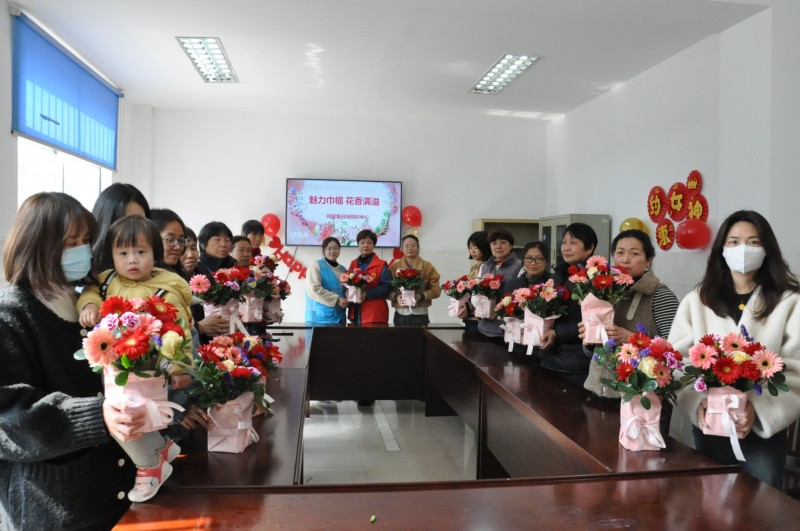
(173, 237)
(534, 265)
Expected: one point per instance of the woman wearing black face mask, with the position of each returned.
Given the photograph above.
(58, 463)
(747, 282)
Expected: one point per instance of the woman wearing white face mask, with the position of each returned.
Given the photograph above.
(747, 282)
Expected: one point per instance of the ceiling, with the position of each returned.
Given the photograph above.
(381, 56)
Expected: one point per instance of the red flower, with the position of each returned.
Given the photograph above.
(726, 370)
(752, 348)
(161, 309)
(172, 326)
(240, 273)
(573, 270)
(750, 370)
(133, 344)
(709, 340)
(207, 353)
(603, 281)
(221, 276)
(237, 337)
(241, 372)
(116, 305)
(639, 340)
(275, 353)
(511, 308)
(621, 269)
(624, 370)
(258, 366)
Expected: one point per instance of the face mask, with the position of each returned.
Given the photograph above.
(76, 262)
(744, 258)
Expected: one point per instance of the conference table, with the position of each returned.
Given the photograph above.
(548, 452)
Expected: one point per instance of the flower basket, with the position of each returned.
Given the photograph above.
(272, 311)
(407, 297)
(725, 406)
(252, 309)
(639, 427)
(142, 394)
(233, 425)
(456, 305)
(230, 310)
(484, 306)
(534, 328)
(354, 294)
(513, 331)
(595, 314)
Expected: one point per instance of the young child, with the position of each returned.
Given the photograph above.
(240, 250)
(133, 244)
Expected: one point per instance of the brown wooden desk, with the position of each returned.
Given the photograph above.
(686, 502)
(277, 458)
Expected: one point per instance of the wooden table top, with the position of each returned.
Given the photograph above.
(687, 502)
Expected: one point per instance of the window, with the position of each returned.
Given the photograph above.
(44, 169)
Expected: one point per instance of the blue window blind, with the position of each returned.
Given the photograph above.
(57, 100)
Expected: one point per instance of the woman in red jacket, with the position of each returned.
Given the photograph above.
(374, 309)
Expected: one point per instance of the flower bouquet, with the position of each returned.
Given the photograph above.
(136, 342)
(512, 309)
(230, 381)
(407, 282)
(544, 304)
(223, 296)
(266, 263)
(598, 287)
(641, 372)
(459, 295)
(484, 290)
(355, 282)
(727, 368)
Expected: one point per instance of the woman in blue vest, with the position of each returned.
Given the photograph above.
(325, 301)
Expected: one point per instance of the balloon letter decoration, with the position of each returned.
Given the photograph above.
(693, 234)
(271, 224)
(412, 216)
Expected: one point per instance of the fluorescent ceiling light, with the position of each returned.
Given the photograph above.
(503, 72)
(209, 59)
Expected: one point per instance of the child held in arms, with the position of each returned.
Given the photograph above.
(133, 244)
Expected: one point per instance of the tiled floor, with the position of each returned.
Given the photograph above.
(389, 442)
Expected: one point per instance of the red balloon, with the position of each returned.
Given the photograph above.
(693, 234)
(397, 253)
(271, 224)
(412, 216)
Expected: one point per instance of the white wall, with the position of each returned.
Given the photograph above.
(706, 108)
(231, 167)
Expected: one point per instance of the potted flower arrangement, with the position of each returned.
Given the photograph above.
(230, 382)
(266, 262)
(407, 282)
(642, 371)
(544, 304)
(459, 295)
(355, 282)
(512, 309)
(222, 297)
(136, 342)
(727, 368)
(484, 290)
(598, 287)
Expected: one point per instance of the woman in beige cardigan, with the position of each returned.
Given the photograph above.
(416, 315)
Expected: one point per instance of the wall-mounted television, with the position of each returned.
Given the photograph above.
(318, 208)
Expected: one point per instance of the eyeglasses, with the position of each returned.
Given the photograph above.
(175, 242)
(534, 260)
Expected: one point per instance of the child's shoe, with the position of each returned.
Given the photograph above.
(149, 480)
(170, 451)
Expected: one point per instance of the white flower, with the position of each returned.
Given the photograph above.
(170, 343)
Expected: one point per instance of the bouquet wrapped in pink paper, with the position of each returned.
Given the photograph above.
(232, 425)
(145, 394)
(727, 368)
(484, 291)
(355, 282)
(251, 310)
(459, 295)
(511, 308)
(639, 427)
(407, 282)
(598, 287)
(543, 304)
(533, 329)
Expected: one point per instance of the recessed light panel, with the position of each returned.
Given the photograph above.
(209, 59)
(504, 71)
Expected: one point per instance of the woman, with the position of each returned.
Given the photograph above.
(325, 301)
(60, 468)
(535, 264)
(649, 302)
(479, 251)
(115, 202)
(502, 262)
(190, 255)
(374, 308)
(747, 282)
(253, 230)
(415, 315)
(562, 350)
(215, 248)
(173, 236)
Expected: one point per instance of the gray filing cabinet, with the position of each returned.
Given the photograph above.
(551, 231)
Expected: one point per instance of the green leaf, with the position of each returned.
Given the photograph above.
(645, 402)
(778, 378)
(125, 361)
(782, 386)
(121, 379)
(80, 355)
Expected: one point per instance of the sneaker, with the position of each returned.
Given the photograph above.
(148, 481)
(170, 451)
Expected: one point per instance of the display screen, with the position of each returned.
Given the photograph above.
(318, 208)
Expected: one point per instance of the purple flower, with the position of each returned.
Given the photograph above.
(672, 363)
(130, 320)
(700, 385)
(596, 357)
(233, 285)
(641, 328)
(110, 321)
(757, 388)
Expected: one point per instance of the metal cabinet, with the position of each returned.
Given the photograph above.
(551, 231)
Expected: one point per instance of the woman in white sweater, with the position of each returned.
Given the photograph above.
(747, 282)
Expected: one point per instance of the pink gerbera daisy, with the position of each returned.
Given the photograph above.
(99, 347)
(662, 374)
(768, 363)
(733, 342)
(596, 261)
(702, 356)
(627, 352)
(199, 284)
